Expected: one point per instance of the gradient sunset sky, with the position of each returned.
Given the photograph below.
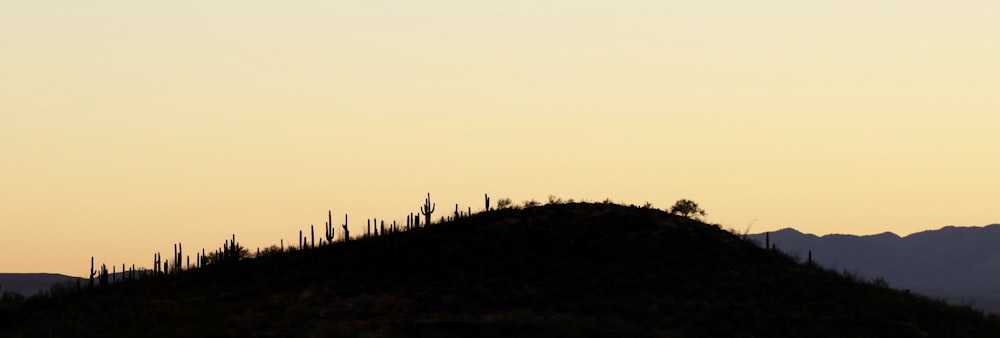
(127, 126)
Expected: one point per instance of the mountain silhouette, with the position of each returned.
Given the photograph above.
(562, 270)
(29, 284)
(960, 264)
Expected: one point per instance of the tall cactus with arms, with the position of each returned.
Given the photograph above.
(428, 209)
(329, 227)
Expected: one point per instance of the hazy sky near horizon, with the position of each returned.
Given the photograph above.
(127, 126)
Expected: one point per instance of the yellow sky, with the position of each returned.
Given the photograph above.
(127, 126)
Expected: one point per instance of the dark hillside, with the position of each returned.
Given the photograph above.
(573, 270)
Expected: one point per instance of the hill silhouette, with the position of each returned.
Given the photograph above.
(961, 264)
(568, 270)
(29, 284)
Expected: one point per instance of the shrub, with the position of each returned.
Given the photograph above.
(553, 199)
(504, 203)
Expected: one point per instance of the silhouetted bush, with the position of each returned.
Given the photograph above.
(553, 199)
(504, 203)
(270, 251)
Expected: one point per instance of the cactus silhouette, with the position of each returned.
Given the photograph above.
(232, 251)
(156, 264)
(428, 209)
(92, 272)
(347, 233)
(104, 275)
(178, 257)
(329, 227)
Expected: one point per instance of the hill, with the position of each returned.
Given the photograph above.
(29, 284)
(571, 270)
(961, 264)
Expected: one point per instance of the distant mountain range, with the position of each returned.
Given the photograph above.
(29, 284)
(959, 264)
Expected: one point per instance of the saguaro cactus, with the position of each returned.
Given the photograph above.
(428, 209)
(347, 233)
(92, 272)
(156, 264)
(178, 257)
(329, 228)
(487, 201)
(231, 250)
(104, 275)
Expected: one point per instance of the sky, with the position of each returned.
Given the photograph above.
(128, 126)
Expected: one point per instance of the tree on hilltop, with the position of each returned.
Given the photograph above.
(687, 208)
